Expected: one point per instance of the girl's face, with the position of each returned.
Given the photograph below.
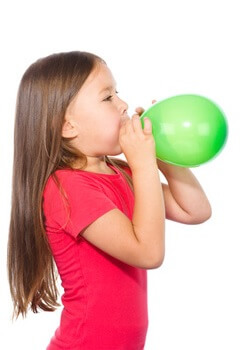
(95, 115)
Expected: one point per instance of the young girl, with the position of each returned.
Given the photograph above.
(99, 219)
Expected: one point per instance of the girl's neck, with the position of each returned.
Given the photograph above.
(95, 165)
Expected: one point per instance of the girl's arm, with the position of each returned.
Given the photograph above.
(184, 198)
(141, 241)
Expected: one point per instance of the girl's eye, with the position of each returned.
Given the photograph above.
(110, 97)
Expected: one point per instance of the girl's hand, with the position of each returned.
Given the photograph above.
(140, 110)
(137, 144)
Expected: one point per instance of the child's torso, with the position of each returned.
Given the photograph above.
(105, 300)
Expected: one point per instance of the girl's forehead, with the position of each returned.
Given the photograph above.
(102, 76)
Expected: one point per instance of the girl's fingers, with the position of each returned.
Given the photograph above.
(137, 124)
(147, 126)
(134, 125)
(128, 126)
(138, 127)
(139, 110)
(125, 126)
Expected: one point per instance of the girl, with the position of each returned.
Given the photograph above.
(97, 220)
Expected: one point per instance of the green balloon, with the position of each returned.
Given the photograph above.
(189, 130)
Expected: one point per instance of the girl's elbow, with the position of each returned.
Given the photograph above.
(203, 216)
(155, 261)
(156, 264)
(208, 213)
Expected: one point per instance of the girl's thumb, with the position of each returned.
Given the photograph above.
(147, 126)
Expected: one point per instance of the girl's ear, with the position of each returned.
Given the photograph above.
(69, 129)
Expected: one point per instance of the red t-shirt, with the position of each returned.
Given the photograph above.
(105, 300)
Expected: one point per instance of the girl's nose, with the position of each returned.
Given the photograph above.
(123, 107)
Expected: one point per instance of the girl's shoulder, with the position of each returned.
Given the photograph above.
(66, 178)
(69, 179)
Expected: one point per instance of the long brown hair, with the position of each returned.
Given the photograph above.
(46, 89)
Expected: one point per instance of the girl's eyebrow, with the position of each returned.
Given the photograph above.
(107, 88)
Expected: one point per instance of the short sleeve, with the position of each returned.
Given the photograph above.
(85, 202)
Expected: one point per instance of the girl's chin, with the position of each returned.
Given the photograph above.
(117, 150)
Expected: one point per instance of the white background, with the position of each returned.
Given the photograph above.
(199, 298)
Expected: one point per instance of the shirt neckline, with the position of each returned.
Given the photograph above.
(102, 174)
